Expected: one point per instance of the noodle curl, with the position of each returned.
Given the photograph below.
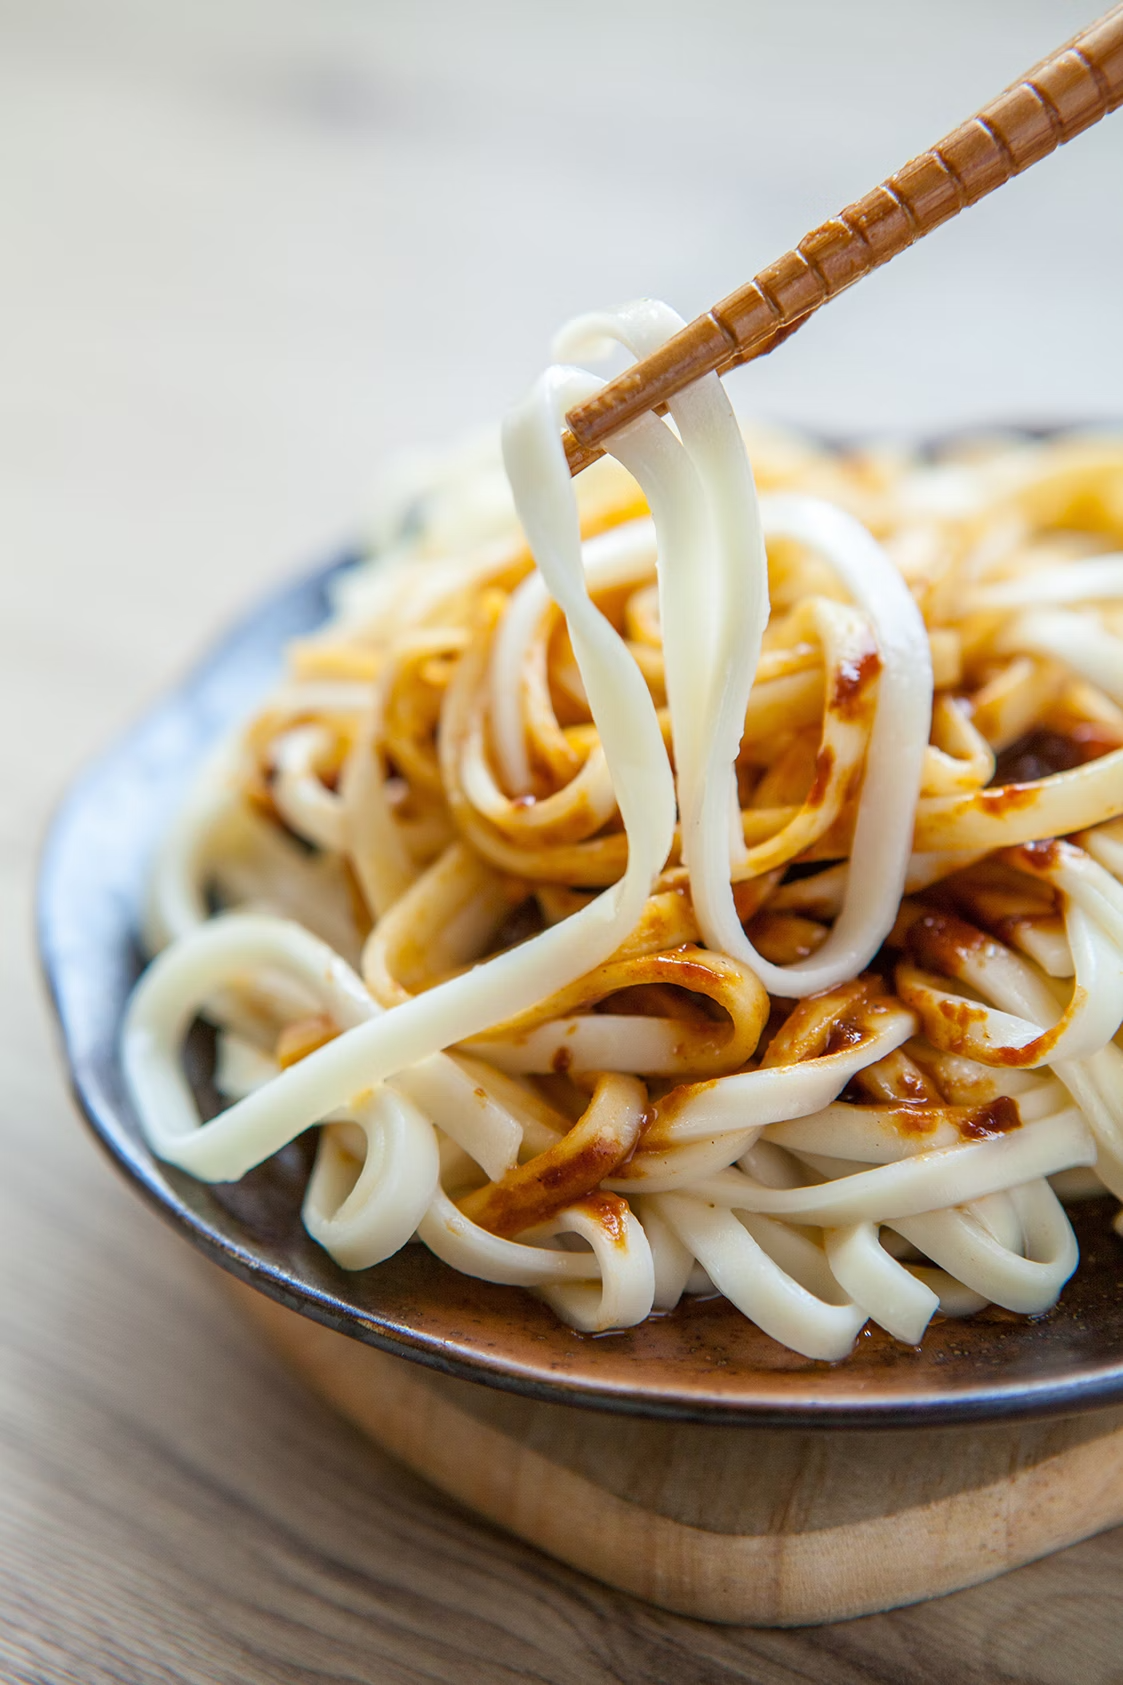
(652, 888)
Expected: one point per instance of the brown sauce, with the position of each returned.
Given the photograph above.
(998, 1117)
(942, 942)
(824, 766)
(1043, 855)
(916, 1119)
(536, 1191)
(1007, 798)
(851, 679)
(1042, 753)
(843, 1033)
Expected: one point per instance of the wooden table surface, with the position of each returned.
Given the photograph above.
(248, 245)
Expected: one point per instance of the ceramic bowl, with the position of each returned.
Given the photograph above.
(703, 1362)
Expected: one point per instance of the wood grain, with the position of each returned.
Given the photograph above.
(215, 279)
(749, 1525)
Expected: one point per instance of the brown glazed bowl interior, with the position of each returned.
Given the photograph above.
(703, 1362)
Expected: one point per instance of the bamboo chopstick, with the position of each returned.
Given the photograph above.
(1063, 95)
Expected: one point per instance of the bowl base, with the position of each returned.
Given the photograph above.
(758, 1526)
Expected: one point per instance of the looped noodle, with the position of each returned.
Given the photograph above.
(651, 891)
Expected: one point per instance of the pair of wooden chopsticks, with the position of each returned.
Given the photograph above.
(1063, 95)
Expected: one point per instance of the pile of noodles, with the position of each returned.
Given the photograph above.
(713, 896)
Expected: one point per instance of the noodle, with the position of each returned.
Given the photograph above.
(695, 894)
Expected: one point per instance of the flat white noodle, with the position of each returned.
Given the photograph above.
(882, 845)
(265, 1120)
(739, 1267)
(761, 1184)
(714, 611)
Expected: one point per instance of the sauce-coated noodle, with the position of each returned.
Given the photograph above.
(676, 904)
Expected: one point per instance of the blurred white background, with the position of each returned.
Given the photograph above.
(252, 246)
(247, 247)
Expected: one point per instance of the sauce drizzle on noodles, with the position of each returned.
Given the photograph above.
(651, 890)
